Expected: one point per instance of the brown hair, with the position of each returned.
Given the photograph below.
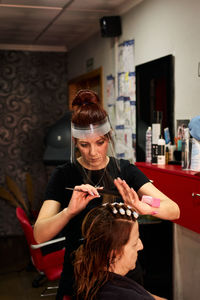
(105, 234)
(87, 108)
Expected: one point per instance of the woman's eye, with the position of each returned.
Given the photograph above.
(83, 145)
(100, 143)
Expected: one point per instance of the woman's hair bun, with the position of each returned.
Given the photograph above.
(87, 108)
(84, 97)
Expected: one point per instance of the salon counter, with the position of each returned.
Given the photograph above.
(180, 185)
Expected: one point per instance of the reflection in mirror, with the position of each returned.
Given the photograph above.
(154, 92)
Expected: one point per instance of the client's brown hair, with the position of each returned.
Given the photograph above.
(105, 232)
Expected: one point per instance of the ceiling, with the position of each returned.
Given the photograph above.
(54, 25)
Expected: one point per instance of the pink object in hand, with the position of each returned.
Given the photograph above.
(154, 202)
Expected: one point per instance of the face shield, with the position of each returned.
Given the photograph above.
(93, 153)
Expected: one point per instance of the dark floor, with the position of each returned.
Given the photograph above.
(17, 286)
(17, 272)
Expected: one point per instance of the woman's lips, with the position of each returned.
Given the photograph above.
(94, 159)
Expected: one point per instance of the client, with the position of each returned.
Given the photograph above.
(109, 251)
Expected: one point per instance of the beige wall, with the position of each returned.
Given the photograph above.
(159, 27)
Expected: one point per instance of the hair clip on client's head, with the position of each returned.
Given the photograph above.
(114, 211)
(122, 209)
(128, 212)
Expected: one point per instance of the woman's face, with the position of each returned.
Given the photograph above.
(126, 260)
(93, 152)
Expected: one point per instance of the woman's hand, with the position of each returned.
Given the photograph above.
(157, 297)
(81, 196)
(131, 198)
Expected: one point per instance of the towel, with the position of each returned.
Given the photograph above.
(194, 127)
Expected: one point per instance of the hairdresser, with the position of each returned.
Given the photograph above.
(91, 174)
(109, 251)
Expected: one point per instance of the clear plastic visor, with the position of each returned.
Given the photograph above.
(93, 130)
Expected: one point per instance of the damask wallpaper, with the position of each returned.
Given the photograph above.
(33, 96)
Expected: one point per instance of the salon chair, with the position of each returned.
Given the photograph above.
(49, 265)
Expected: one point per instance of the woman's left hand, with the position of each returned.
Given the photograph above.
(131, 198)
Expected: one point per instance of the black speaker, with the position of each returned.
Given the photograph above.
(110, 26)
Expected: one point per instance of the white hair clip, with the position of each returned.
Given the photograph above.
(114, 211)
(122, 211)
(128, 212)
(114, 203)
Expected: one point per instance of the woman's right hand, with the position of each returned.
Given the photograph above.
(81, 196)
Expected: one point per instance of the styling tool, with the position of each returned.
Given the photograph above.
(100, 191)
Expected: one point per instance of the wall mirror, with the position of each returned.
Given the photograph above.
(154, 92)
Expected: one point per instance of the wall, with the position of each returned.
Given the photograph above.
(33, 96)
(161, 27)
(101, 49)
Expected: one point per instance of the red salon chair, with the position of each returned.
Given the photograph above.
(49, 265)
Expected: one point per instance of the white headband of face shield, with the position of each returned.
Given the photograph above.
(92, 130)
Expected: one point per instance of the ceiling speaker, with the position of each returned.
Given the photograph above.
(110, 26)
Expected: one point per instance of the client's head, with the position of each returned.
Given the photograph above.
(111, 242)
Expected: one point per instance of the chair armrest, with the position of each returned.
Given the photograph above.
(48, 243)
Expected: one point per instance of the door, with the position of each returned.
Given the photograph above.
(91, 80)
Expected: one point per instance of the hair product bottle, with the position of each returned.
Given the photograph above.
(161, 151)
(166, 155)
(148, 145)
(156, 130)
(186, 150)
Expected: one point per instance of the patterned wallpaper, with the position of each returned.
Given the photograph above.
(33, 96)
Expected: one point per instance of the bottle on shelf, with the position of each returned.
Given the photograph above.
(186, 150)
(172, 148)
(156, 130)
(148, 145)
(161, 151)
(167, 155)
